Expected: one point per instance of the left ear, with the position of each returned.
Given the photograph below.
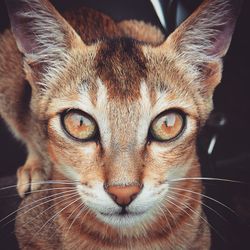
(44, 37)
(203, 39)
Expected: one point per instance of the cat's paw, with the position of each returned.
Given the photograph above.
(30, 177)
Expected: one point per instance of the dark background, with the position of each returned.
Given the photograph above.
(231, 157)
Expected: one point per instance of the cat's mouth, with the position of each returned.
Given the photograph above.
(123, 218)
(122, 213)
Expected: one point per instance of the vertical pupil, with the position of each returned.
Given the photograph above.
(166, 122)
(170, 120)
(81, 121)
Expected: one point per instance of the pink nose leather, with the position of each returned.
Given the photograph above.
(123, 195)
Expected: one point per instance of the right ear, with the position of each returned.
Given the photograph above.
(43, 36)
(202, 40)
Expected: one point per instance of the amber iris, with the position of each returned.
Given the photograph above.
(167, 126)
(79, 125)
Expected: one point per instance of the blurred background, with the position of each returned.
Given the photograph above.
(229, 124)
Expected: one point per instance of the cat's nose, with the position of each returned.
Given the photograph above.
(123, 195)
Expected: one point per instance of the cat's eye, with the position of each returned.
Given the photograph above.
(79, 125)
(167, 126)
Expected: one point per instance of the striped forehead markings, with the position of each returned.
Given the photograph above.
(121, 65)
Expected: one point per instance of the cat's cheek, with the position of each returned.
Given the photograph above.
(80, 164)
(65, 150)
(52, 154)
(73, 156)
(163, 163)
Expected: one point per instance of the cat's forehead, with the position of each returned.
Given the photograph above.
(125, 70)
(123, 86)
(121, 66)
(125, 77)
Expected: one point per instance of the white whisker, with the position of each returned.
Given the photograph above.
(54, 216)
(40, 190)
(78, 214)
(44, 211)
(182, 209)
(208, 197)
(202, 218)
(207, 179)
(169, 225)
(210, 208)
(42, 182)
(34, 202)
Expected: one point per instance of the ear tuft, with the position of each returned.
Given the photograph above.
(41, 34)
(37, 26)
(209, 29)
(204, 38)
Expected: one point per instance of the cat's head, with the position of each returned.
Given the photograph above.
(122, 117)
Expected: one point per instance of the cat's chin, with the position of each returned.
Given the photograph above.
(122, 220)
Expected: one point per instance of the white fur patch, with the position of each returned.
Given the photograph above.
(142, 209)
(101, 111)
(146, 114)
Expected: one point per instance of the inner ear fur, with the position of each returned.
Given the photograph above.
(43, 36)
(210, 76)
(203, 39)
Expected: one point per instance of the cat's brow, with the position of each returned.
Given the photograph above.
(171, 99)
(84, 99)
(83, 102)
(121, 65)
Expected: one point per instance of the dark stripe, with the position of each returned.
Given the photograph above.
(121, 66)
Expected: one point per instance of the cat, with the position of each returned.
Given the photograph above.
(110, 113)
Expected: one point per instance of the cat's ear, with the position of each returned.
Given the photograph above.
(203, 39)
(42, 35)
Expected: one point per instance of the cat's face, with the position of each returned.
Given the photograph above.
(103, 132)
(123, 114)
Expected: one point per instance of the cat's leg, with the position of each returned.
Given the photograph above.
(15, 96)
(32, 174)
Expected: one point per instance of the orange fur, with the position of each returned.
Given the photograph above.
(88, 63)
